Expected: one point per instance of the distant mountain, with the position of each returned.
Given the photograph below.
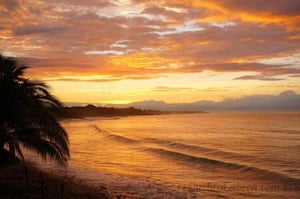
(286, 101)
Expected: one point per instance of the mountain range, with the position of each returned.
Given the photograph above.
(285, 101)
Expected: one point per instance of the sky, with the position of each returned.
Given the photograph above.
(177, 51)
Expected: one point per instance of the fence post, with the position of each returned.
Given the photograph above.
(62, 191)
(42, 186)
(26, 175)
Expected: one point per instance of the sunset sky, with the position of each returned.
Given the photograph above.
(122, 51)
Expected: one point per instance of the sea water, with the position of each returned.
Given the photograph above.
(214, 155)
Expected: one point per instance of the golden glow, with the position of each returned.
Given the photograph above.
(171, 88)
(143, 61)
(175, 51)
(204, 42)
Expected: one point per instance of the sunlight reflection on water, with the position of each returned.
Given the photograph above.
(168, 152)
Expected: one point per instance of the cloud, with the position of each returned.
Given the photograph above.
(172, 15)
(9, 4)
(164, 89)
(105, 52)
(30, 30)
(98, 79)
(267, 70)
(276, 7)
(258, 77)
(248, 41)
(295, 75)
(173, 89)
(151, 38)
(95, 3)
(281, 12)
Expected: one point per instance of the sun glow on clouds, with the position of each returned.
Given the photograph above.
(104, 52)
(177, 51)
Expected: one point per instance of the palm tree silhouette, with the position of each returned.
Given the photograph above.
(26, 119)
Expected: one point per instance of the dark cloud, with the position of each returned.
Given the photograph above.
(97, 3)
(279, 7)
(258, 77)
(31, 30)
(295, 75)
(268, 72)
(10, 4)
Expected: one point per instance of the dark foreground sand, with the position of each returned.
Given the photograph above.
(40, 184)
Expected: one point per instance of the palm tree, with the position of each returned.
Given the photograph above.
(26, 119)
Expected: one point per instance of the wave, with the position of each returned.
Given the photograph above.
(199, 149)
(173, 145)
(285, 131)
(115, 137)
(204, 161)
(166, 143)
(178, 145)
(175, 155)
(193, 159)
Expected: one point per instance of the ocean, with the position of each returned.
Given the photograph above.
(214, 155)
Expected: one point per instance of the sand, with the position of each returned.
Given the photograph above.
(42, 184)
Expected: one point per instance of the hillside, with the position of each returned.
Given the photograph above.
(93, 111)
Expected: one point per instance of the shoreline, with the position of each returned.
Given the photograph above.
(89, 111)
(26, 180)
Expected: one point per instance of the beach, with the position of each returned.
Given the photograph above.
(150, 99)
(44, 184)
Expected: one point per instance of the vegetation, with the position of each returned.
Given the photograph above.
(26, 119)
(93, 111)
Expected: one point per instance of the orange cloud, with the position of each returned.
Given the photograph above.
(150, 61)
(63, 38)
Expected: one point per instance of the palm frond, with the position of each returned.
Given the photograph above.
(26, 108)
